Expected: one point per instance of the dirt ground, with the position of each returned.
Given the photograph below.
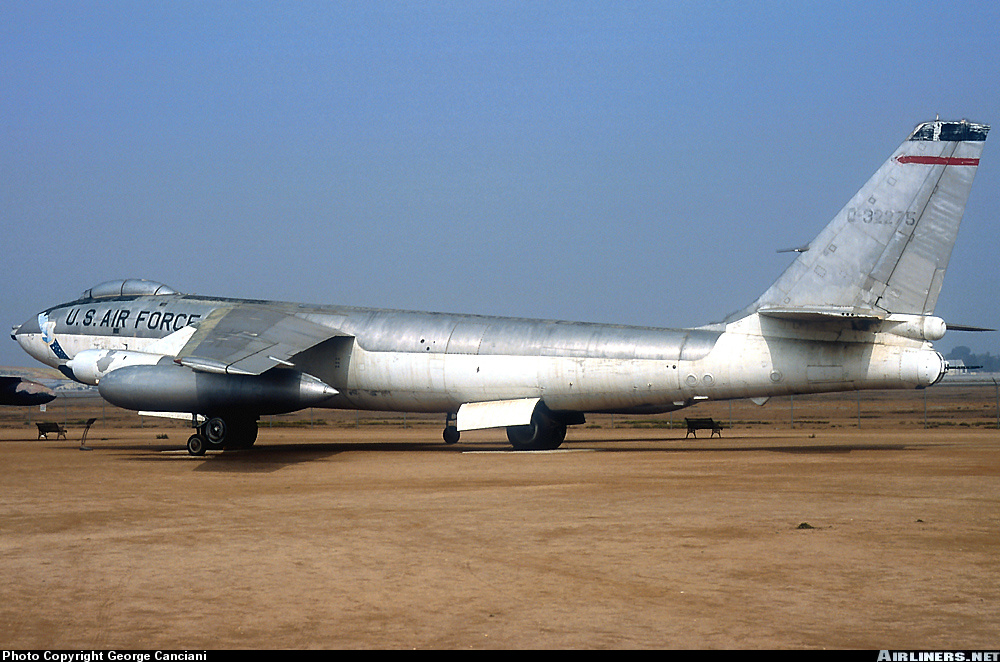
(823, 522)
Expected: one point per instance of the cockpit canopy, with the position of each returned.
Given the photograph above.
(126, 288)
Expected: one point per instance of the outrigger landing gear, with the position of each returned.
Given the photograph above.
(219, 433)
(451, 433)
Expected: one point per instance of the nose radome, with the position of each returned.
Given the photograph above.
(31, 326)
(29, 337)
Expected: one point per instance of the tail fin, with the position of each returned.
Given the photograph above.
(887, 250)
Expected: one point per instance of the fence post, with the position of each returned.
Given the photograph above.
(996, 391)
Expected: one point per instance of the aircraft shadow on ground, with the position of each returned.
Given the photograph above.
(806, 449)
(265, 458)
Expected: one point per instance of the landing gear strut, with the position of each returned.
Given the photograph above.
(451, 433)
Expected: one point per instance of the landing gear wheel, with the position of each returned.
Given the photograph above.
(542, 434)
(451, 435)
(242, 434)
(196, 445)
(215, 432)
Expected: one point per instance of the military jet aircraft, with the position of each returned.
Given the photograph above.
(18, 391)
(28, 387)
(853, 311)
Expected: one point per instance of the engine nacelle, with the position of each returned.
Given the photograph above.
(169, 387)
(91, 365)
(915, 327)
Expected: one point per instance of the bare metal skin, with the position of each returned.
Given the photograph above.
(853, 311)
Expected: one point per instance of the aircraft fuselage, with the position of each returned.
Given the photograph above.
(435, 362)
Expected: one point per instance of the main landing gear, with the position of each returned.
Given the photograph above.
(218, 433)
(546, 431)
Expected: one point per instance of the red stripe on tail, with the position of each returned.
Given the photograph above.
(938, 160)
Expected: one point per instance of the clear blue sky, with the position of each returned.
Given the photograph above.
(611, 162)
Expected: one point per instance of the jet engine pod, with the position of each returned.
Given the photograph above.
(169, 387)
(91, 365)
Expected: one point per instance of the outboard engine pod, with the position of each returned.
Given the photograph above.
(174, 388)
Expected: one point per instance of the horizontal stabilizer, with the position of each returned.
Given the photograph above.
(821, 314)
(915, 327)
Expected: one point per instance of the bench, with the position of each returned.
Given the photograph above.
(44, 429)
(695, 424)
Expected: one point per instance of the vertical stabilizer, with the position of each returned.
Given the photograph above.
(888, 248)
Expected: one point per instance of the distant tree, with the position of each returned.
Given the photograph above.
(961, 353)
(990, 363)
(985, 362)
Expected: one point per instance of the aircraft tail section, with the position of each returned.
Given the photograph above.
(887, 250)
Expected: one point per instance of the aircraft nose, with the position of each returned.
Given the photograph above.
(31, 326)
(29, 337)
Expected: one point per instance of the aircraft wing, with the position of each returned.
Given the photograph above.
(250, 339)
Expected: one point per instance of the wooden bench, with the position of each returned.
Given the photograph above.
(44, 429)
(695, 424)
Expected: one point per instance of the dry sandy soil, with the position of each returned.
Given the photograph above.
(351, 533)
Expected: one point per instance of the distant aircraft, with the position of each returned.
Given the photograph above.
(853, 311)
(23, 392)
(26, 387)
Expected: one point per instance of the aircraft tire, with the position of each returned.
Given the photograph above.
(196, 445)
(215, 431)
(242, 434)
(451, 435)
(542, 434)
